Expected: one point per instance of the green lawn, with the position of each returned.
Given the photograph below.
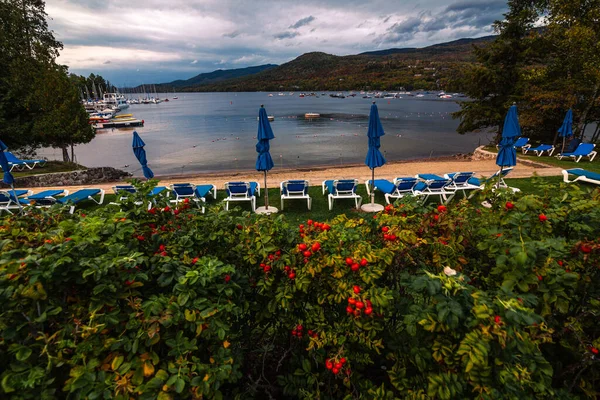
(49, 167)
(297, 211)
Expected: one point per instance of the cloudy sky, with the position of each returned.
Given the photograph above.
(135, 41)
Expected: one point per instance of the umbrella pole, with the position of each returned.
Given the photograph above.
(372, 186)
(266, 193)
(563, 147)
(16, 198)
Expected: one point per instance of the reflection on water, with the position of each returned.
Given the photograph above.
(206, 132)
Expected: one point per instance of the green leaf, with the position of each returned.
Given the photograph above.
(23, 353)
(179, 385)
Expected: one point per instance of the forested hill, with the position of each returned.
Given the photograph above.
(426, 68)
(218, 75)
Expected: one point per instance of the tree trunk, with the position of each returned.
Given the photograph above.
(583, 120)
(26, 26)
(72, 153)
(65, 152)
(596, 132)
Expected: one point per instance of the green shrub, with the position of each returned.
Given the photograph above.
(416, 302)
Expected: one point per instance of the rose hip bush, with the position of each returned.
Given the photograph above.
(418, 302)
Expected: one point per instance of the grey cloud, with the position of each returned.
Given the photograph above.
(302, 22)
(402, 31)
(433, 25)
(286, 35)
(386, 19)
(106, 62)
(478, 5)
(232, 34)
(464, 16)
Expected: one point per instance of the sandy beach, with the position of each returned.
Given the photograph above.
(315, 176)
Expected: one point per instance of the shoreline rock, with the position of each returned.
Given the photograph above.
(73, 178)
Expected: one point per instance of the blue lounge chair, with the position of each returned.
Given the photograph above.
(9, 202)
(583, 150)
(189, 191)
(294, 190)
(581, 175)
(435, 185)
(460, 181)
(241, 191)
(46, 198)
(205, 190)
(341, 189)
(497, 178)
(394, 190)
(123, 190)
(539, 150)
(521, 143)
(13, 161)
(81, 195)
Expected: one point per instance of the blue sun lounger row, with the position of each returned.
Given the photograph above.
(47, 198)
(426, 185)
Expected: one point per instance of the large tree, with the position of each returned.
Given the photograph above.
(28, 68)
(494, 82)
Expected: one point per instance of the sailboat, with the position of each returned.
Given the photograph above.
(174, 97)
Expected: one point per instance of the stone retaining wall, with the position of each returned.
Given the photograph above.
(72, 178)
(481, 154)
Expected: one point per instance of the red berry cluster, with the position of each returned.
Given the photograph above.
(336, 366)
(509, 205)
(161, 250)
(290, 272)
(389, 208)
(313, 226)
(357, 307)
(442, 208)
(266, 267)
(542, 218)
(355, 266)
(298, 332)
(594, 350)
(306, 252)
(585, 248)
(386, 236)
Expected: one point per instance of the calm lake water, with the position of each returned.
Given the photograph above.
(207, 132)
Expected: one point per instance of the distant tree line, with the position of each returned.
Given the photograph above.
(40, 103)
(545, 71)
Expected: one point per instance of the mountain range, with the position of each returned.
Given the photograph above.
(426, 68)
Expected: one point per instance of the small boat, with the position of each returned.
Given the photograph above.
(312, 115)
(270, 94)
(269, 117)
(175, 98)
(281, 94)
(301, 95)
(123, 116)
(420, 95)
(122, 123)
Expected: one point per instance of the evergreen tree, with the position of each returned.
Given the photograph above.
(28, 69)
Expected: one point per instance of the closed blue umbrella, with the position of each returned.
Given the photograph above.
(507, 155)
(566, 129)
(8, 177)
(374, 157)
(138, 149)
(264, 162)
